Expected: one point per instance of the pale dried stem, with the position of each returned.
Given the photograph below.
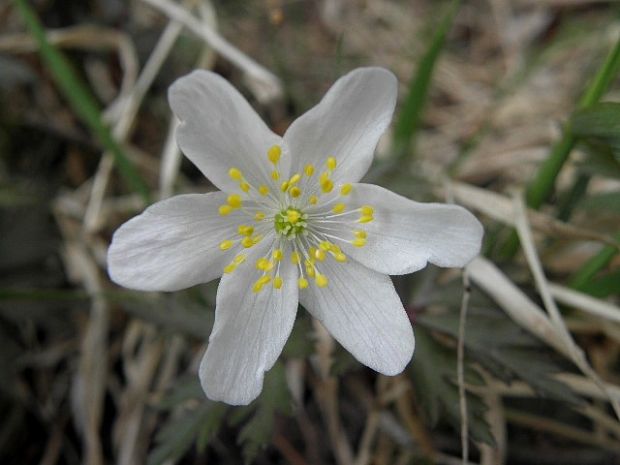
(265, 85)
(576, 354)
(460, 368)
(327, 393)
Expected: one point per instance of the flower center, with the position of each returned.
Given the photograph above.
(290, 222)
(310, 214)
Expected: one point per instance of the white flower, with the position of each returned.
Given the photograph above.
(292, 224)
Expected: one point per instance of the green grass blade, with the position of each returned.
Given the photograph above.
(543, 183)
(589, 270)
(411, 113)
(80, 99)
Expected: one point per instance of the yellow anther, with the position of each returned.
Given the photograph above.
(327, 186)
(302, 283)
(277, 282)
(264, 264)
(293, 216)
(257, 287)
(225, 210)
(319, 254)
(247, 242)
(359, 242)
(339, 208)
(321, 280)
(284, 186)
(277, 255)
(295, 192)
(225, 245)
(245, 230)
(324, 177)
(259, 216)
(367, 210)
(264, 190)
(340, 257)
(346, 189)
(365, 219)
(360, 233)
(311, 252)
(325, 245)
(294, 179)
(310, 269)
(274, 153)
(295, 259)
(265, 279)
(235, 174)
(331, 163)
(309, 170)
(275, 175)
(256, 239)
(230, 268)
(244, 186)
(313, 200)
(239, 259)
(334, 248)
(234, 200)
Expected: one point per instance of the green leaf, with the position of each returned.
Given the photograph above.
(80, 99)
(601, 121)
(186, 425)
(505, 350)
(433, 372)
(605, 201)
(300, 344)
(275, 398)
(410, 114)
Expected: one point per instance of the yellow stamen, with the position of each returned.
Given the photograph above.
(319, 254)
(346, 189)
(325, 245)
(239, 259)
(275, 175)
(294, 179)
(245, 230)
(295, 192)
(313, 200)
(225, 245)
(340, 257)
(277, 282)
(225, 210)
(334, 248)
(230, 268)
(365, 219)
(327, 186)
(309, 170)
(359, 242)
(247, 242)
(259, 216)
(367, 210)
(264, 264)
(264, 190)
(324, 177)
(311, 252)
(331, 163)
(310, 269)
(277, 255)
(302, 283)
(339, 208)
(264, 279)
(360, 233)
(244, 186)
(274, 153)
(295, 259)
(321, 280)
(235, 174)
(235, 201)
(284, 186)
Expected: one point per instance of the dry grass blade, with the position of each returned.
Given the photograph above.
(576, 353)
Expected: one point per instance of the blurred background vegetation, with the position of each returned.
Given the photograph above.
(506, 107)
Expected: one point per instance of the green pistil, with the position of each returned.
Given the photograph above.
(290, 222)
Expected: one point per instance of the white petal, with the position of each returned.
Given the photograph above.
(405, 235)
(249, 332)
(173, 244)
(361, 309)
(346, 124)
(220, 130)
